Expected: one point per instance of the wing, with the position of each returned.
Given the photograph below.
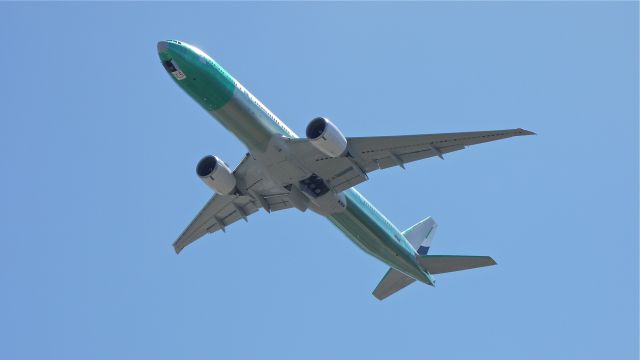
(219, 212)
(367, 154)
(223, 210)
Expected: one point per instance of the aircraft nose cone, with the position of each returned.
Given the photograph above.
(162, 46)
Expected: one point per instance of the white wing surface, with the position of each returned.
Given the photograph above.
(224, 210)
(367, 154)
(219, 212)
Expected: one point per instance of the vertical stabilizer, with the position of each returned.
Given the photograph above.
(421, 234)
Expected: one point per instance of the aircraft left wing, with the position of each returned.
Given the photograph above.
(224, 210)
(367, 154)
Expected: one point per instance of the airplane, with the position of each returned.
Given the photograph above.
(318, 173)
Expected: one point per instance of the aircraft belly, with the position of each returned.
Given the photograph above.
(370, 236)
(240, 116)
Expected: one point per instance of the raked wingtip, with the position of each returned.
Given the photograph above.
(525, 132)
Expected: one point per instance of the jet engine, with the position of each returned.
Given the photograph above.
(326, 137)
(216, 174)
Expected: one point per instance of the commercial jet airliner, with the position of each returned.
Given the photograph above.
(318, 173)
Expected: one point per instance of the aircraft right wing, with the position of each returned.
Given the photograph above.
(367, 154)
(219, 212)
(223, 210)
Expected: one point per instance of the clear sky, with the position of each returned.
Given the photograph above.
(98, 150)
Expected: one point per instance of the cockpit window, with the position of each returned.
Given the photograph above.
(173, 68)
(168, 65)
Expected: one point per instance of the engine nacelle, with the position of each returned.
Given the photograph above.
(326, 137)
(216, 174)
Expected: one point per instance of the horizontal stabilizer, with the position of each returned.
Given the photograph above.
(438, 264)
(392, 282)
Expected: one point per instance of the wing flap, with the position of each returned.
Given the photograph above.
(385, 159)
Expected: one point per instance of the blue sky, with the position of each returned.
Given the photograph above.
(99, 148)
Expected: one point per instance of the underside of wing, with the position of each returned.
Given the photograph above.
(367, 154)
(384, 151)
(217, 214)
(224, 210)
